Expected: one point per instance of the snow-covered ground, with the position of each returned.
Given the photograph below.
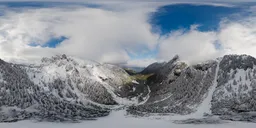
(118, 120)
(205, 106)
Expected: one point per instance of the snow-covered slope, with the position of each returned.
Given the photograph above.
(225, 86)
(21, 98)
(205, 105)
(236, 89)
(100, 83)
(178, 88)
(69, 89)
(61, 88)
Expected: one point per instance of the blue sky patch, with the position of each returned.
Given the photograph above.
(182, 16)
(166, 19)
(52, 43)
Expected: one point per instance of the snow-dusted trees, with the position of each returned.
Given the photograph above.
(23, 99)
(234, 82)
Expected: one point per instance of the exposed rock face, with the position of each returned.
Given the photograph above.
(67, 89)
(177, 88)
(60, 88)
(243, 116)
(71, 78)
(236, 90)
(21, 99)
(153, 68)
(207, 120)
(180, 89)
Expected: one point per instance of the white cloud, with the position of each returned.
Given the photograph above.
(191, 46)
(234, 37)
(104, 34)
(239, 37)
(98, 34)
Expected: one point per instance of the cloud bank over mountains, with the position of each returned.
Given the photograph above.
(92, 33)
(111, 33)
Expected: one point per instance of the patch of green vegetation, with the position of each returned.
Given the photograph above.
(130, 71)
(127, 80)
(142, 77)
(135, 76)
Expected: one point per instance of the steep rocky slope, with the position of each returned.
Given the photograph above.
(21, 98)
(235, 95)
(178, 88)
(236, 89)
(225, 86)
(153, 68)
(62, 88)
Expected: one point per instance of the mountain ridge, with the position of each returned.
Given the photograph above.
(58, 88)
(61, 88)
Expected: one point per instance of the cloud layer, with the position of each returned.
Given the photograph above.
(93, 33)
(110, 33)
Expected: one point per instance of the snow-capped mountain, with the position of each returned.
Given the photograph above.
(62, 88)
(225, 86)
(179, 88)
(153, 68)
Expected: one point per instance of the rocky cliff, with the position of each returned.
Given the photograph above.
(63, 88)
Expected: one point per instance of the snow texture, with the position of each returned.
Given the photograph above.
(117, 119)
(61, 89)
(205, 106)
(67, 89)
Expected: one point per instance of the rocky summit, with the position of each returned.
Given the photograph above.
(223, 87)
(63, 88)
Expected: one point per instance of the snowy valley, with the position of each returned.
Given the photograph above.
(67, 89)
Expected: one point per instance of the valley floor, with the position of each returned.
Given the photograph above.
(118, 119)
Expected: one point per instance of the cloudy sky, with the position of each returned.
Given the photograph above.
(132, 33)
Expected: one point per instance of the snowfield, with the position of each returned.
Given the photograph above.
(205, 107)
(118, 119)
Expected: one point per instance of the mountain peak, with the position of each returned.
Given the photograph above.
(174, 59)
(216, 87)
(56, 58)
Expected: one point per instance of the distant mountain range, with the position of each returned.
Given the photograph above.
(63, 88)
